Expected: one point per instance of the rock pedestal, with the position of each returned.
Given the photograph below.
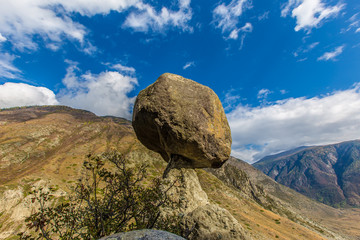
(204, 220)
(185, 122)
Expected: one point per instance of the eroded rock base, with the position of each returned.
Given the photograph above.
(202, 219)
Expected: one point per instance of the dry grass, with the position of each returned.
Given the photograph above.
(49, 147)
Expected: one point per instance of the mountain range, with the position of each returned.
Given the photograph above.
(329, 174)
(43, 146)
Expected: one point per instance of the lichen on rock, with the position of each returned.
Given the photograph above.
(184, 121)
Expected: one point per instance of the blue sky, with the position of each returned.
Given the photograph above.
(287, 71)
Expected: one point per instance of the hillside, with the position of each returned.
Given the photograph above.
(47, 145)
(329, 174)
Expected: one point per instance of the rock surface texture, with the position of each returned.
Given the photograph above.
(212, 222)
(184, 121)
(144, 234)
(202, 219)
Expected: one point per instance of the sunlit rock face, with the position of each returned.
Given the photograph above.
(184, 121)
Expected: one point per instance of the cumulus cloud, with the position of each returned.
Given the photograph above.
(20, 20)
(331, 55)
(104, 94)
(123, 68)
(51, 20)
(226, 17)
(294, 122)
(189, 64)
(20, 94)
(7, 69)
(310, 13)
(146, 17)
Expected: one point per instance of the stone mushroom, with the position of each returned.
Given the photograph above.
(184, 121)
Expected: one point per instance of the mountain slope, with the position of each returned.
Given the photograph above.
(296, 206)
(329, 174)
(45, 146)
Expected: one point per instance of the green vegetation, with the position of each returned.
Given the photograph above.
(110, 198)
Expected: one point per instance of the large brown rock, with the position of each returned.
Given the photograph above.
(184, 121)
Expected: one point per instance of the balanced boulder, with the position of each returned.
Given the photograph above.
(184, 121)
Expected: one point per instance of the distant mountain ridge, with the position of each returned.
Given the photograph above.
(329, 174)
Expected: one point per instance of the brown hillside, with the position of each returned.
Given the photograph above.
(46, 146)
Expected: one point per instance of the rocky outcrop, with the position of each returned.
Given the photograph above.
(187, 192)
(184, 121)
(144, 234)
(202, 219)
(211, 222)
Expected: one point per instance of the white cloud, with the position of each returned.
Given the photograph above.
(123, 68)
(331, 55)
(20, 94)
(226, 17)
(357, 30)
(7, 69)
(104, 94)
(354, 23)
(21, 20)
(235, 33)
(188, 64)
(263, 93)
(146, 17)
(312, 46)
(287, 7)
(264, 16)
(2, 38)
(92, 7)
(294, 122)
(303, 50)
(310, 13)
(242, 41)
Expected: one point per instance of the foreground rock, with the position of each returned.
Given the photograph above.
(184, 121)
(144, 234)
(213, 222)
(202, 219)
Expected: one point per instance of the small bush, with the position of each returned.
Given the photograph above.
(107, 200)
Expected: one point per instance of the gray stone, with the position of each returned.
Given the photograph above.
(144, 234)
(211, 222)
